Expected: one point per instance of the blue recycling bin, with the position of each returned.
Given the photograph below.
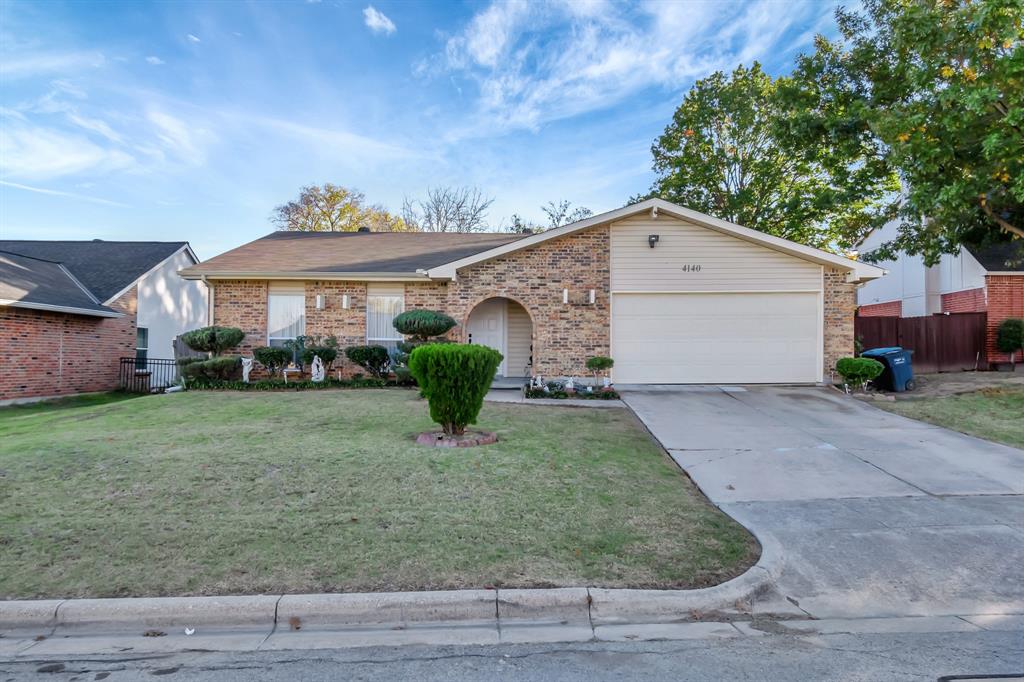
(898, 374)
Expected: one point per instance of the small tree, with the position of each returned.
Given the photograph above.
(454, 378)
(213, 340)
(859, 371)
(599, 364)
(374, 359)
(1010, 337)
(272, 357)
(421, 326)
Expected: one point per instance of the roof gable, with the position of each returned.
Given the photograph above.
(105, 268)
(38, 284)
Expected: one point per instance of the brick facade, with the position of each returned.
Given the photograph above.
(887, 309)
(1005, 300)
(54, 354)
(564, 335)
(840, 302)
(967, 301)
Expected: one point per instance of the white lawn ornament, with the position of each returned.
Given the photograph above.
(246, 368)
(570, 385)
(317, 369)
(606, 381)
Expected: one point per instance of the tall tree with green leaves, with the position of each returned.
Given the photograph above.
(936, 88)
(727, 153)
(333, 208)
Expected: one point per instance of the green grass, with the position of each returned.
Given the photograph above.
(992, 413)
(236, 493)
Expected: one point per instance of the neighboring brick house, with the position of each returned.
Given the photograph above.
(674, 296)
(69, 310)
(988, 279)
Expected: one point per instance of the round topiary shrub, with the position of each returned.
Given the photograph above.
(327, 354)
(423, 324)
(272, 357)
(1010, 336)
(454, 378)
(214, 340)
(858, 371)
(374, 359)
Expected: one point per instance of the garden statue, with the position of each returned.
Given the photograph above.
(316, 369)
(246, 368)
(570, 385)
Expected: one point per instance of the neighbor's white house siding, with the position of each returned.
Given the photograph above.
(169, 305)
(919, 288)
(519, 335)
(727, 263)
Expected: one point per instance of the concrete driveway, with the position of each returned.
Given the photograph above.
(876, 515)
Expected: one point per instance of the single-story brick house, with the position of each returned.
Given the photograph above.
(977, 279)
(674, 296)
(69, 310)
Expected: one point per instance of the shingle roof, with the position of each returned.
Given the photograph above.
(105, 268)
(1001, 257)
(355, 252)
(44, 285)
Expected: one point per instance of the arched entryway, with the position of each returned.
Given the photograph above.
(504, 325)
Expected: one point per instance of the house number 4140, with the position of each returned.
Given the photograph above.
(691, 268)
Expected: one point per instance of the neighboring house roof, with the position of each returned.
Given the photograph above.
(307, 254)
(1001, 257)
(421, 255)
(105, 268)
(37, 284)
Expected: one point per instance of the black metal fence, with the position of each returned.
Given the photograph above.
(145, 375)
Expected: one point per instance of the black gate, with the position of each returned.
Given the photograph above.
(147, 375)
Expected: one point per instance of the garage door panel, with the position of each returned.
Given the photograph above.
(715, 338)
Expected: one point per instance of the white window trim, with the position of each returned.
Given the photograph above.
(382, 340)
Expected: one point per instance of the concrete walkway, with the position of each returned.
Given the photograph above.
(876, 516)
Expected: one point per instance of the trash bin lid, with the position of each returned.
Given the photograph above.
(882, 351)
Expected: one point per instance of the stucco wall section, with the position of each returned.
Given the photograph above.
(840, 304)
(564, 334)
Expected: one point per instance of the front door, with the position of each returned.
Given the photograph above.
(487, 327)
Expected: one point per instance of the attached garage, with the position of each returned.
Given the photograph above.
(703, 307)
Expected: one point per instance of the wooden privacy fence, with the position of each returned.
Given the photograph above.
(941, 343)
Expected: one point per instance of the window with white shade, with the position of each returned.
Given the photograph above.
(286, 313)
(383, 303)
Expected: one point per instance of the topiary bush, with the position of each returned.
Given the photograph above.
(859, 371)
(215, 369)
(454, 378)
(374, 359)
(1010, 336)
(272, 357)
(421, 325)
(328, 354)
(214, 340)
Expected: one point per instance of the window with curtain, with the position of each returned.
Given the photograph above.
(380, 312)
(286, 317)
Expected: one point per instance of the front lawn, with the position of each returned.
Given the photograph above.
(235, 493)
(991, 413)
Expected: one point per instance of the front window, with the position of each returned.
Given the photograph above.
(381, 310)
(286, 317)
(141, 347)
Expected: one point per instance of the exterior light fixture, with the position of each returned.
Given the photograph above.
(344, 301)
(321, 302)
(652, 239)
(593, 297)
(565, 295)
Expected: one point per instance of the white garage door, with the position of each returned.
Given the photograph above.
(715, 338)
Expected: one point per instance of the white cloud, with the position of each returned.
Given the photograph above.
(192, 38)
(32, 152)
(155, 61)
(184, 141)
(27, 65)
(377, 22)
(535, 63)
(59, 193)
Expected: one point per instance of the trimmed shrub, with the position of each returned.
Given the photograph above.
(858, 371)
(214, 340)
(327, 354)
(215, 369)
(454, 378)
(272, 357)
(423, 324)
(374, 359)
(600, 364)
(1010, 336)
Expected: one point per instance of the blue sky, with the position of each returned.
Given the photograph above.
(191, 121)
